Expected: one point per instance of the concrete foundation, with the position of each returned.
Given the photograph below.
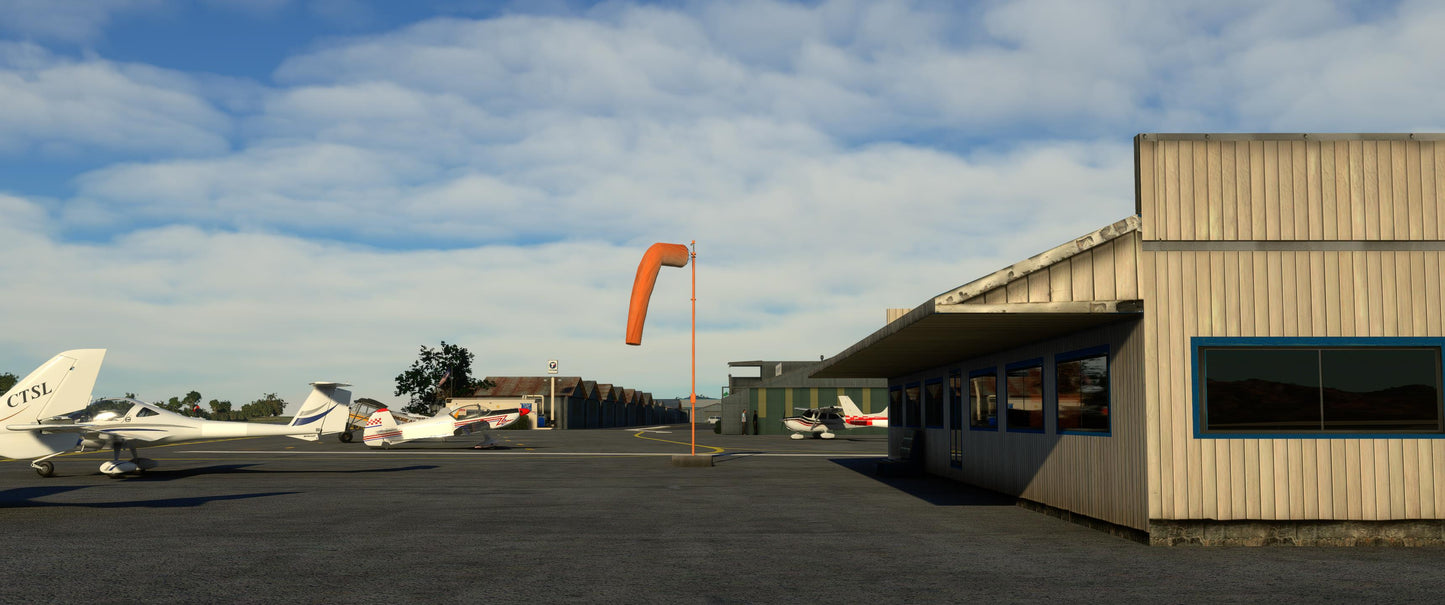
(686, 460)
(1413, 532)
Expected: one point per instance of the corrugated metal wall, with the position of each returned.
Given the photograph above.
(1108, 271)
(1100, 476)
(1297, 190)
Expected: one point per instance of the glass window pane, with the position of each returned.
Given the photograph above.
(1025, 392)
(983, 407)
(955, 401)
(1381, 389)
(1261, 390)
(1083, 394)
(895, 407)
(910, 406)
(933, 403)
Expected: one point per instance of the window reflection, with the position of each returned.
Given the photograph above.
(1299, 389)
(910, 406)
(933, 403)
(1083, 394)
(983, 398)
(1026, 398)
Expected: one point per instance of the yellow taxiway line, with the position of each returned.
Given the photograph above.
(715, 450)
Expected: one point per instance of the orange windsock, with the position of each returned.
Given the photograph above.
(672, 255)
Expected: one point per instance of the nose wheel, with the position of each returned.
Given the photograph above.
(44, 469)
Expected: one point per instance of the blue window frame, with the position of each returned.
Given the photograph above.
(1081, 392)
(1318, 387)
(983, 400)
(1024, 392)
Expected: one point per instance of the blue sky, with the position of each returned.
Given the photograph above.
(241, 196)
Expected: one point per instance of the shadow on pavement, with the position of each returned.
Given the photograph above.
(934, 490)
(228, 469)
(24, 497)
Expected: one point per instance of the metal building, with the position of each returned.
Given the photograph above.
(1254, 357)
(783, 386)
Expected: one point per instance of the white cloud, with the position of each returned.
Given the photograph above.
(67, 108)
(70, 21)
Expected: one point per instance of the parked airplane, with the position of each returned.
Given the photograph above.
(816, 422)
(822, 422)
(46, 427)
(383, 431)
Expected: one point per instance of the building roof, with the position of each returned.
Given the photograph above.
(959, 323)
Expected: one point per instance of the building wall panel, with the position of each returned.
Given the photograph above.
(1286, 478)
(1285, 188)
(1100, 476)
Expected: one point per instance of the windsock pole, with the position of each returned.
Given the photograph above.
(692, 417)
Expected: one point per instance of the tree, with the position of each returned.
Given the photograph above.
(7, 382)
(436, 375)
(268, 405)
(219, 407)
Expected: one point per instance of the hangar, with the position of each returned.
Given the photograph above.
(579, 403)
(781, 387)
(1252, 357)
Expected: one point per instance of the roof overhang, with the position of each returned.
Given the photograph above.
(936, 334)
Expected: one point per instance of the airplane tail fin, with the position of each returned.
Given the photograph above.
(59, 386)
(855, 417)
(381, 429)
(326, 410)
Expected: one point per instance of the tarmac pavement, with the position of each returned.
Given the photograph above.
(603, 516)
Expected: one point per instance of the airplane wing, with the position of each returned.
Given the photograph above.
(54, 428)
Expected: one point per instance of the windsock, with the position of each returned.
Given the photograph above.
(672, 255)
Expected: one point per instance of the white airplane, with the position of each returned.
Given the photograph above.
(383, 431)
(49, 416)
(822, 422)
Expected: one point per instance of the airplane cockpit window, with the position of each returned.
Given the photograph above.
(144, 411)
(467, 412)
(103, 409)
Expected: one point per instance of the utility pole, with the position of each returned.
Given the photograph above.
(552, 374)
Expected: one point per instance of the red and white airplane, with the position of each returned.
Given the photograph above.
(450, 424)
(821, 422)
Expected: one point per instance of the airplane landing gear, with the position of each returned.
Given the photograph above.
(43, 466)
(117, 467)
(797, 436)
(827, 435)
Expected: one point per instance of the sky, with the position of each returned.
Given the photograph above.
(239, 197)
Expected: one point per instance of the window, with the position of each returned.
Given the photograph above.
(955, 420)
(933, 403)
(983, 400)
(1025, 394)
(1081, 385)
(911, 417)
(1324, 386)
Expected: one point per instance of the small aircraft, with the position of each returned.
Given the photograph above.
(822, 422)
(383, 431)
(50, 416)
